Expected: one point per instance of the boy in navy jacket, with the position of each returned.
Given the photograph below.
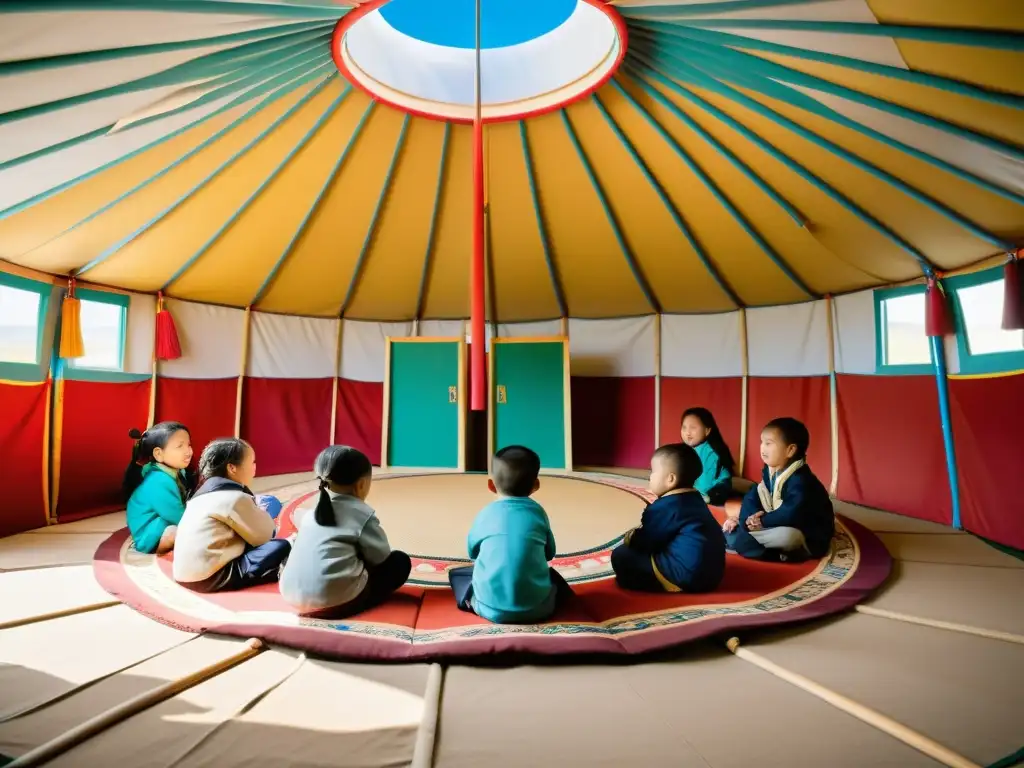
(789, 515)
(679, 546)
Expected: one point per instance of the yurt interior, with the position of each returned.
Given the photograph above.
(500, 383)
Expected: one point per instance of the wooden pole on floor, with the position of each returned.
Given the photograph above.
(40, 617)
(101, 722)
(967, 629)
(423, 751)
(897, 730)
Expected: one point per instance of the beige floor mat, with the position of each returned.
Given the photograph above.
(24, 733)
(582, 514)
(165, 734)
(32, 550)
(708, 709)
(961, 549)
(887, 522)
(326, 714)
(32, 593)
(108, 523)
(990, 598)
(41, 661)
(273, 710)
(965, 692)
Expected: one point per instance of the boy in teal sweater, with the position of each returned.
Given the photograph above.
(510, 544)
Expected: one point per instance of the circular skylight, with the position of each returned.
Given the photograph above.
(534, 58)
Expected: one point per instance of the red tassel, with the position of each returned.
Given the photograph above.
(167, 345)
(1013, 296)
(937, 320)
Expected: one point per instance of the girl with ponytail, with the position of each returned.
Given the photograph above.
(225, 541)
(341, 562)
(156, 484)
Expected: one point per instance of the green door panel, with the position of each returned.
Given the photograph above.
(533, 415)
(423, 426)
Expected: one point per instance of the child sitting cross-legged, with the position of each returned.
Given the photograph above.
(225, 540)
(511, 543)
(789, 515)
(679, 546)
(341, 562)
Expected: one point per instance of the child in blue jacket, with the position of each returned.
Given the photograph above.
(679, 546)
(789, 515)
(510, 544)
(156, 485)
(700, 431)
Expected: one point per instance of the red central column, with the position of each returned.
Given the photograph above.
(478, 399)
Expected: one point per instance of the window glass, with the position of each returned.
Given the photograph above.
(19, 325)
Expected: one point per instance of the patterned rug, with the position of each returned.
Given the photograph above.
(421, 621)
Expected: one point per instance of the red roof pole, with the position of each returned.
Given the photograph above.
(476, 304)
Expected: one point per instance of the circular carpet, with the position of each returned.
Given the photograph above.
(429, 516)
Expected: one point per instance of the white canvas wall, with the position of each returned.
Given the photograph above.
(211, 341)
(788, 341)
(362, 348)
(701, 346)
(620, 347)
(140, 332)
(284, 347)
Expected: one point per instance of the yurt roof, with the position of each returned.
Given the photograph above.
(312, 158)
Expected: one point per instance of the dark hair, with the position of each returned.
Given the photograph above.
(683, 460)
(515, 470)
(714, 439)
(218, 454)
(146, 442)
(341, 465)
(793, 433)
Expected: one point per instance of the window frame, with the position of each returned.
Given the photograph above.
(881, 295)
(20, 371)
(973, 364)
(121, 300)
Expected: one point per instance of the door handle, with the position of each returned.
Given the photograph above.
(453, 394)
(502, 395)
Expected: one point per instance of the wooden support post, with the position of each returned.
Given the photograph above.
(337, 382)
(833, 395)
(657, 380)
(743, 392)
(247, 318)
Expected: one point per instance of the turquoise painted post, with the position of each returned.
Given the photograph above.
(939, 361)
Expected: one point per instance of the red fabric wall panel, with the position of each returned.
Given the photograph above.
(288, 422)
(723, 397)
(890, 446)
(805, 398)
(360, 416)
(612, 421)
(988, 429)
(95, 447)
(205, 406)
(22, 437)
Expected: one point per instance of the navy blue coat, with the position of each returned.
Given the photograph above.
(805, 506)
(685, 540)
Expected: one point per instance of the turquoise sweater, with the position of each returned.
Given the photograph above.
(156, 504)
(715, 481)
(511, 543)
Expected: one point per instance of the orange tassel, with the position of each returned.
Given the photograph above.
(167, 345)
(71, 325)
